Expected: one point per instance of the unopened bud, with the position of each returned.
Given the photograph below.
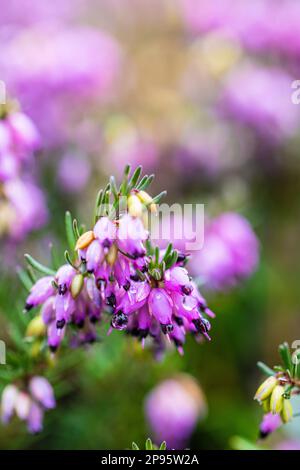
(84, 240)
(36, 327)
(135, 207)
(112, 255)
(266, 405)
(76, 285)
(287, 411)
(35, 349)
(144, 197)
(276, 400)
(265, 389)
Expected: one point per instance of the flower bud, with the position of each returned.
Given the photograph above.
(135, 207)
(36, 327)
(84, 241)
(265, 389)
(266, 405)
(144, 197)
(76, 286)
(287, 411)
(276, 401)
(112, 255)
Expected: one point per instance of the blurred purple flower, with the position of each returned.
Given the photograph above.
(78, 66)
(230, 252)
(34, 11)
(269, 424)
(173, 409)
(29, 405)
(27, 206)
(260, 98)
(73, 173)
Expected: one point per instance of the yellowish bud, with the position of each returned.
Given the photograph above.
(266, 405)
(35, 349)
(276, 401)
(112, 255)
(36, 327)
(84, 241)
(76, 285)
(287, 411)
(135, 207)
(265, 389)
(144, 197)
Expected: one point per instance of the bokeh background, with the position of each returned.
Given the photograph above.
(199, 93)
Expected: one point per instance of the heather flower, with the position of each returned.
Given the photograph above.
(259, 98)
(275, 393)
(29, 403)
(269, 424)
(114, 269)
(19, 139)
(26, 206)
(173, 409)
(230, 252)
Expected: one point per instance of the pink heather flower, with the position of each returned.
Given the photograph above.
(269, 424)
(173, 409)
(42, 391)
(40, 292)
(19, 139)
(162, 311)
(29, 405)
(260, 98)
(230, 252)
(8, 400)
(131, 236)
(27, 205)
(35, 418)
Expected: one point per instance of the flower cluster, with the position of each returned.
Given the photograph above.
(275, 393)
(115, 271)
(30, 404)
(22, 205)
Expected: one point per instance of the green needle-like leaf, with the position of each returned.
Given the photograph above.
(285, 354)
(135, 177)
(149, 445)
(38, 266)
(158, 198)
(265, 369)
(69, 230)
